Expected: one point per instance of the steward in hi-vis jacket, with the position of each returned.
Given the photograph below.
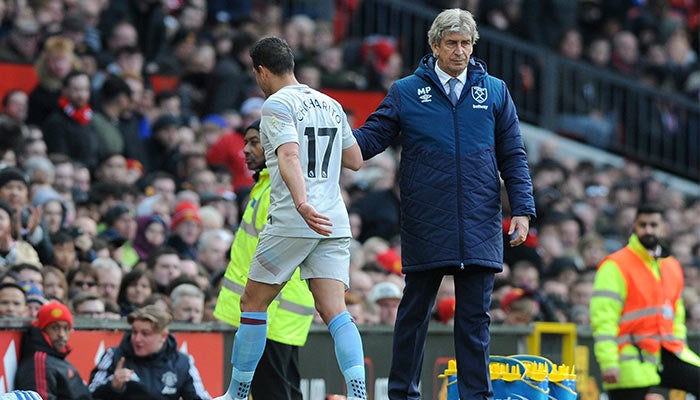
(638, 317)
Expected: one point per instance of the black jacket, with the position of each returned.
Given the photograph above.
(46, 371)
(167, 374)
(64, 135)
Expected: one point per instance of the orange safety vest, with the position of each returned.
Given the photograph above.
(649, 310)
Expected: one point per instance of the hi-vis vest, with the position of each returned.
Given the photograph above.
(291, 313)
(648, 313)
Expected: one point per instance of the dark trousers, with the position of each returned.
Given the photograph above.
(277, 376)
(473, 287)
(675, 374)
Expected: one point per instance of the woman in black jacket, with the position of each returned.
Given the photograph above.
(147, 363)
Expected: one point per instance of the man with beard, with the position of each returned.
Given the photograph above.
(43, 366)
(70, 130)
(638, 316)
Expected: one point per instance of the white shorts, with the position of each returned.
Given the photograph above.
(276, 258)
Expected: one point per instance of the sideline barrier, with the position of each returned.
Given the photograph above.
(88, 345)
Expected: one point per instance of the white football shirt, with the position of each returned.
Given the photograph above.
(319, 125)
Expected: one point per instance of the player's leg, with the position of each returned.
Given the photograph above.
(274, 261)
(249, 341)
(327, 269)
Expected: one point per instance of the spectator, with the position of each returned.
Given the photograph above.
(112, 168)
(28, 273)
(43, 366)
(228, 150)
(147, 353)
(22, 45)
(35, 298)
(12, 251)
(187, 302)
(65, 255)
(186, 226)
(520, 307)
(69, 129)
(56, 61)
(109, 277)
(163, 146)
(115, 98)
(11, 134)
(14, 191)
(213, 249)
(14, 105)
(54, 210)
(164, 264)
(82, 278)
(136, 287)
(356, 308)
(625, 53)
(55, 284)
(13, 300)
(121, 219)
(88, 305)
(386, 296)
(151, 233)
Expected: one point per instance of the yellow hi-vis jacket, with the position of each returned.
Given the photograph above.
(636, 309)
(290, 314)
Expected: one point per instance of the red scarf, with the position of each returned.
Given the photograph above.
(81, 115)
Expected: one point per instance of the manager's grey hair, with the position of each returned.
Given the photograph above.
(452, 20)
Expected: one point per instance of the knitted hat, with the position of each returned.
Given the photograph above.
(12, 174)
(34, 294)
(183, 212)
(53, 312)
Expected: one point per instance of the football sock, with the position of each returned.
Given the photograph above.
(348, 351)
(248, 347)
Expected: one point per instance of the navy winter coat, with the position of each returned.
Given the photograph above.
(450, 162)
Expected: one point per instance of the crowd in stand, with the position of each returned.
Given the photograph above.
(113, 196)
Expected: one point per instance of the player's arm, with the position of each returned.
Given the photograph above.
(352, 157)
(290, 169)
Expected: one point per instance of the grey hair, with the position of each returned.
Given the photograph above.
(107, 264)
(452, 20)
(185, 290)
(206, 238)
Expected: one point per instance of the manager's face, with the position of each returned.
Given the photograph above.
(453, 52)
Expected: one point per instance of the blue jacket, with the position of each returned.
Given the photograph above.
(450, 163)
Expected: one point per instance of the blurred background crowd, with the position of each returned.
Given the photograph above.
(117, 193)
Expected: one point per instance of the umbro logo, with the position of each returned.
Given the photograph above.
(424, 94)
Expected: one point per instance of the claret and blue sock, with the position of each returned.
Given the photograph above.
(248, 347)
(348, 351)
